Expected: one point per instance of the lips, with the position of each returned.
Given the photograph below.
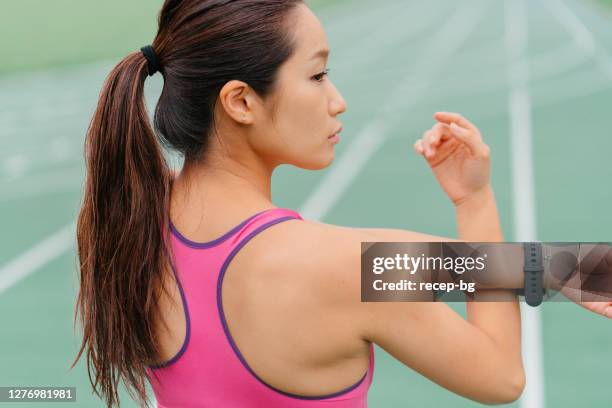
(336, 132)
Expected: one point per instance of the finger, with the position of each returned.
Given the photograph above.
(424, 143)
(446, 132)
(440, 133)
(428, 140)
(418, 147)
(422, 148)
(602, 308)
(471, 140)
(450, 117)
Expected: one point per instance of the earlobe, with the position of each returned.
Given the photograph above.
(234, 98)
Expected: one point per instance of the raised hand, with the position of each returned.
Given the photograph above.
(457, 155)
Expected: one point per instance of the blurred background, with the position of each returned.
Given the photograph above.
(534, 75)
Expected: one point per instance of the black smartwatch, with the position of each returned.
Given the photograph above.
(533, 289)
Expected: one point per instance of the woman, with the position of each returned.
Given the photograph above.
(200, 285)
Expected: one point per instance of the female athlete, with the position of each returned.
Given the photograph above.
(198, 284)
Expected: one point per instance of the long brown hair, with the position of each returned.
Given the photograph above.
(200, 46)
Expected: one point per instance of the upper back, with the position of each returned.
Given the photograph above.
(256, 316)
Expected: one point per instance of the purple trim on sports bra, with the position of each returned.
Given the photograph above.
(173, 359)
(217, 241)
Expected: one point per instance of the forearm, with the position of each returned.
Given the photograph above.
(478, 220)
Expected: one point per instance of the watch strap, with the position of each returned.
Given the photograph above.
(533, 289)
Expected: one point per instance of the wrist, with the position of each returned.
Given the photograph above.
(475, 199)
(478, 218)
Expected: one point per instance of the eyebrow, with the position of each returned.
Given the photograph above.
(321, 54)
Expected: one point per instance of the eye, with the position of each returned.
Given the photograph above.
(319, 77)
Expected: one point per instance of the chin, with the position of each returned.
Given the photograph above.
(320, 162)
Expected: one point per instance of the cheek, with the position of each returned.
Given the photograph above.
(305, 116)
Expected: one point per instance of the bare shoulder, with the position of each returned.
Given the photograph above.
(328, 257)
(325, 259)
(331, 238)
(314, 245)
(330, 249)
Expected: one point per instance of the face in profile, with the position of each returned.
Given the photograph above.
(306, 104)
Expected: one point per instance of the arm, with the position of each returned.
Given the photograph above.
(478, 220)
(429, 337)
(489, 367)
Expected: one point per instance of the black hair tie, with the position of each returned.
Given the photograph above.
(152, 63)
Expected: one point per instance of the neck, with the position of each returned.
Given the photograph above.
(244, 181)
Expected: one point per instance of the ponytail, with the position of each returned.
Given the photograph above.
(122, 250)
(120, 233)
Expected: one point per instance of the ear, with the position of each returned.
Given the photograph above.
(237, 99)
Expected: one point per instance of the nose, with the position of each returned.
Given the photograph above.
(337, 104)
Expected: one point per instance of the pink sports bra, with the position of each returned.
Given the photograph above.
(209, 370)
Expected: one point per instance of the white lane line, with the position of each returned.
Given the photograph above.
(522, 163)
(37, 256)
(582, 36)
(580, 32)
(523, 186)
(408, 93)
